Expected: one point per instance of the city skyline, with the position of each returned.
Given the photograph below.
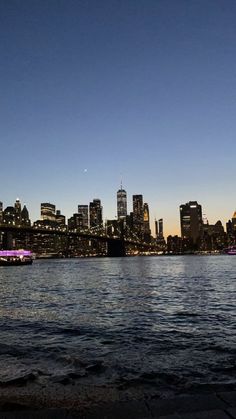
(85, 209)
(143, 90)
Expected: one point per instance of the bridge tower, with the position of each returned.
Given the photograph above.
(7, 240)
(116, 247)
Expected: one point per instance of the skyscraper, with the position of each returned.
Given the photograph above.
(1, 212)
(229, 228)
(60, 219)
(160, 228)
(83, 213)
(48, 211)
(25, 221)
(121, 203)
(191, 221)
(138, 215)
(234, 222)
(138, 208)
(17, 212)
(95, 213)
(146, 223)
(156, 228)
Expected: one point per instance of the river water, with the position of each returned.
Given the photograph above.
(163, 323)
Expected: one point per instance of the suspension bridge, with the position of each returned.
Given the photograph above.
(118, 244)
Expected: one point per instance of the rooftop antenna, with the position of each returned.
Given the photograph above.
(121, 186)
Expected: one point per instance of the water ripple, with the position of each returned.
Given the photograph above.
(168, 322)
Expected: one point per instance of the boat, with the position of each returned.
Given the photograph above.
(231, 250)
(15, 257)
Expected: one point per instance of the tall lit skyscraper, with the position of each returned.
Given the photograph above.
(191, 221)
(121, 203)
(95, 213)
(138, 215)
(146, 223)
(138, 208)
(83, 213)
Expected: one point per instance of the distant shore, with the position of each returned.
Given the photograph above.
(214, 253)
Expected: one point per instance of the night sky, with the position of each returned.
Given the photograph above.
(96, 90)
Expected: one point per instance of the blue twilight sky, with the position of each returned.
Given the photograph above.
(92, 90)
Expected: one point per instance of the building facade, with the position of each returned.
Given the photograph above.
(25, 220)
(138, 215)
(48, 211)
(160, 229)
(83, 212)
(234, 222)
(95, 214)
(121, 203)
(191, 221)
(17, 207)
(1, 212)
(60, 219)
(146, 223)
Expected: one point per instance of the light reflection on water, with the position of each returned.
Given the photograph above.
(156, 319)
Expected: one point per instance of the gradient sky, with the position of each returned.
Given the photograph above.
(92, 90)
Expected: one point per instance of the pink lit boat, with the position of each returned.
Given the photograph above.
(15, 257)
(231, 250)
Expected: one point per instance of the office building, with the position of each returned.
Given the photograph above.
(146, 223)
(160, 234)
(17, 212)
(214, 236)
(1, 212)
(138, 215)
(138, 208)
(234, 222)
(229, 228)
(83, 214)
(95, 214)
(25, 221)
(174, 244)
(75, 222)
(156, 228)
(9, 215)
(191, 221)
(121, 203)
(60, 219)
(160, 229)
(48, 211)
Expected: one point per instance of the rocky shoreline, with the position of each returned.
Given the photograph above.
(66, 401)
